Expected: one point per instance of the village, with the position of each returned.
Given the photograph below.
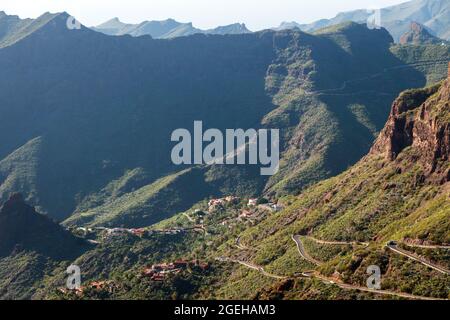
(214, 204)
(138, 232)
(159, 272)
(246, 210)
(108, 286)
(253, 210)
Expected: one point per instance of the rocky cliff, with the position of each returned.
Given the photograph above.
(419, 120)
(418, 34)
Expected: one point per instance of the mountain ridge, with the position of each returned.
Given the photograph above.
(341, 226)
(434, 14)
(382, 199)
(278, 79)
(23, 229)
(164, 29)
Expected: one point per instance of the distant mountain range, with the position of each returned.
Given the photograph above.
(433, 14)
(164, 29)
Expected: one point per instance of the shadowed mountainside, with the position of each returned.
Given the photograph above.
(98, 107)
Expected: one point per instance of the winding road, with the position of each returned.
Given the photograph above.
(188, 217)
(305, 255)
(424, 246)
(414, 257)
(302, 251)
(365, 289)
(253, 267)
(338, 243)
(332, 281)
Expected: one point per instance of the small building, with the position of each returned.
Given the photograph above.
(231, 199)
(138, 232)
(158, 277)
(245, 214)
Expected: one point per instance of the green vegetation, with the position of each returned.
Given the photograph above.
(95, 151)
(105, 158)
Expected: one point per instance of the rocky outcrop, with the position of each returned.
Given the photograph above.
(418, 34)
(420, 120)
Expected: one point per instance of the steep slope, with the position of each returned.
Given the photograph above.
(321, 244)
(434, 14)
(22, 229)
(166, 29)
(70, 112)
(103, 105)
(399, 191)
(326, 133)
(418, 34)
(13, 29)
(31, 247)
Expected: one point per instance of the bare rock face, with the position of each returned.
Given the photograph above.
(420, 120)
(418, 34)
(431, 133)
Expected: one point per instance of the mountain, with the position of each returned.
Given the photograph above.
(85, 130)
(166, 29)
(13, 29)
(322, 242)
(433, 14)
(236, 28)
(398, 191)
(23, 229)
(31, 246)
(418, 34)
(82, 147)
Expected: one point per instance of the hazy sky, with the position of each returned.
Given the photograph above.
(257, 14)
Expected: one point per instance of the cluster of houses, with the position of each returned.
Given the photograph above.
(252, 202)
(159, 272)
(254, 212)
(140, 232)
(268, 206)
(271, 207)
(213, 204)
(120, 231)
(108, 286)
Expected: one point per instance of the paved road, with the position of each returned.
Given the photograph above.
(326, 280)
(424, 246)
(303, 253)
(239, 245)
(342, 285)
(253, 267)
(417, 258)
(188, 217)
(340, 243)
(365, 289)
